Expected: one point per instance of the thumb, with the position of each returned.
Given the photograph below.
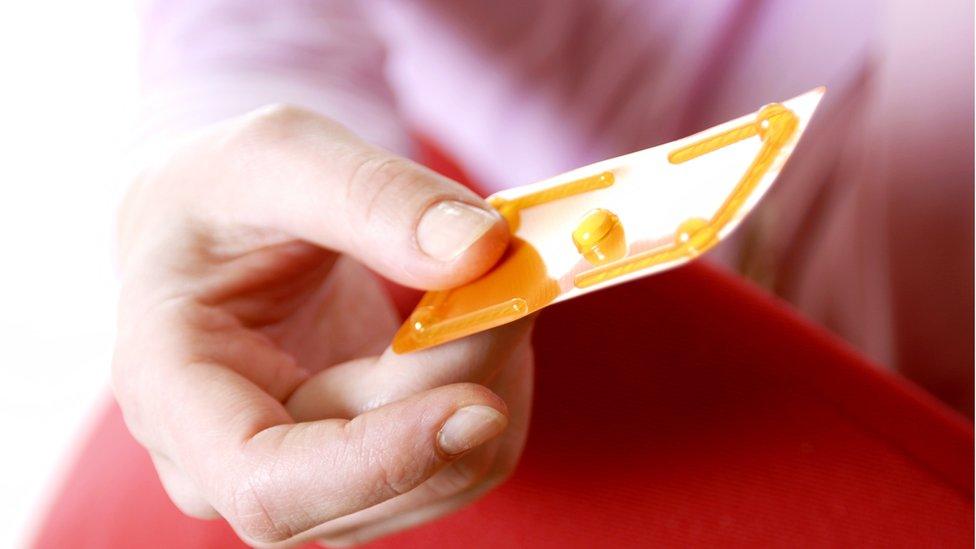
(292, 170)
(306, 474)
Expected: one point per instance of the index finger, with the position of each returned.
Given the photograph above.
(292, 170)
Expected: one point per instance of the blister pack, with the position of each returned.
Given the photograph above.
(617, 220)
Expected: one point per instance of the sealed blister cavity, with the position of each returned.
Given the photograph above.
(615, 221)
(599, 237)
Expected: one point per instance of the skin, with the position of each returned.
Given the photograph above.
(252, 358)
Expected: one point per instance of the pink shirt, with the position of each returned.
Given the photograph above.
(869, 231)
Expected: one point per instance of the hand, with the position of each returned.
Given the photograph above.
(252, 357)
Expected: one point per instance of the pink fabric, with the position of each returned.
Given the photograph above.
(870, 230)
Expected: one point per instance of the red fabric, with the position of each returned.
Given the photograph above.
(687, 409)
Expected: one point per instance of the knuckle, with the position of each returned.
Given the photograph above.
(277, 115)
(378, 180)
(272, 126)
(255, 514)
(397, 478)
(391, 472)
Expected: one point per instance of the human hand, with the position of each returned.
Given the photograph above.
(252, 357)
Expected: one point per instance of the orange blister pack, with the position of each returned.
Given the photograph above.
(617, 220)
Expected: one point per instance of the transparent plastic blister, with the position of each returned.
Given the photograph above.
(617, 220)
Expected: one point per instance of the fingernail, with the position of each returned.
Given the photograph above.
(450, 227)
(469, 427)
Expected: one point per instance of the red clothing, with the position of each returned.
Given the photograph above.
(686, 409)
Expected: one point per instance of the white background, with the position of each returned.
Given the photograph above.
(68, 95)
